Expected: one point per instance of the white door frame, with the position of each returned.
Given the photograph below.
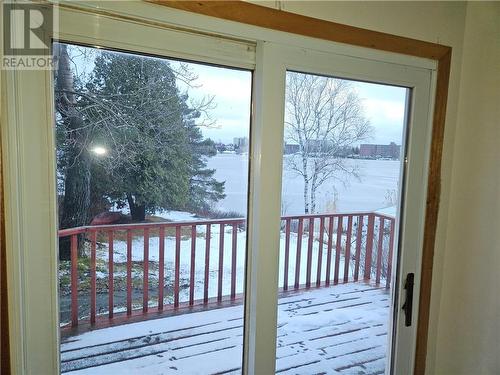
(29, 159)
(414, 170)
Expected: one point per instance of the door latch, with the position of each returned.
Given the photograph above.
(408, 305)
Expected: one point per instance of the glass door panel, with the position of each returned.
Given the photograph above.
(152, 168)
(341, 191)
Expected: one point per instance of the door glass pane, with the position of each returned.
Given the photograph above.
(342, 170)
(152, 168)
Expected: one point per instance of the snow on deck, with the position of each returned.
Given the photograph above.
(337, 330)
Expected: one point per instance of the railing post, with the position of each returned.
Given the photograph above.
(298, 254)
(207, 263)
(177, 264)
(329, 250)
(320, 250)
(287, 254)
(161, 266)
(359, 241)
(338, 249)
(380, 245)
(347, 249)
(309, 252)
(110, 274)
(129, 272)
(74, 280)
(221, 262)
(233, 260)
(369, 247)
(145, 287)
(192, 265)
(93, 235)
(391, 251)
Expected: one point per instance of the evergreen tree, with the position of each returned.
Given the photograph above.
(155, 156)
(163, 163)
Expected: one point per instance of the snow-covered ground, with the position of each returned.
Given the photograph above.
(120, 256)
(336, 330)
(173, 215)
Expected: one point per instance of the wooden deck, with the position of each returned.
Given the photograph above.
(337, 330)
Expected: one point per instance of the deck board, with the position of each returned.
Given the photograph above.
(331, 330)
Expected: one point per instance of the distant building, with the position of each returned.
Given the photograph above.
(371, 151)
(312, 146)
(319, 147)
(291, 148)
(240, 144)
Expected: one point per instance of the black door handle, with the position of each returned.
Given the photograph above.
(408, 305)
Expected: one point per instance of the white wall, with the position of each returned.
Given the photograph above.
(464, 335)
(468, 338)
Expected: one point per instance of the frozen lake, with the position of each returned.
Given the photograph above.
(377, 177)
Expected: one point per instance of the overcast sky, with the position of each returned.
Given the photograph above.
(384, 105)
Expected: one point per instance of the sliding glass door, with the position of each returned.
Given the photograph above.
(347, 271)
(212, 198)
(341, 189)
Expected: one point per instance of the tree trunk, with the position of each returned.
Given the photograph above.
(76, 202)
(314, 187)
(306, 185)
(313, 194)
(137, 211)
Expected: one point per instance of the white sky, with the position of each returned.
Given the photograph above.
(385, 108)
(384, 105)
(232, 89)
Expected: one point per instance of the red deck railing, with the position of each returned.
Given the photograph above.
(349, 238)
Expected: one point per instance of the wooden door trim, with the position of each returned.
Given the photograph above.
(307, 26)
(274, 19)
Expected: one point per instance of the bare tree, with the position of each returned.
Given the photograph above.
(324, 116)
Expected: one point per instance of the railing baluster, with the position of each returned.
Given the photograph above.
(338, 249)
(93, 235)
(129, 272)
(233, 261)
(344, 221)
(161, 266)
(369, 247)
(379, 249)
(221, 262)
(329, 250)
(359, 241)
(320, 250)
(389, 257)
(145, 287)
(192, 265)
(287, 254)
(348, 249)
(309, 252)
(207, 263)
(297, 255)
(74, 280)
(110, 274)
(177, 263)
